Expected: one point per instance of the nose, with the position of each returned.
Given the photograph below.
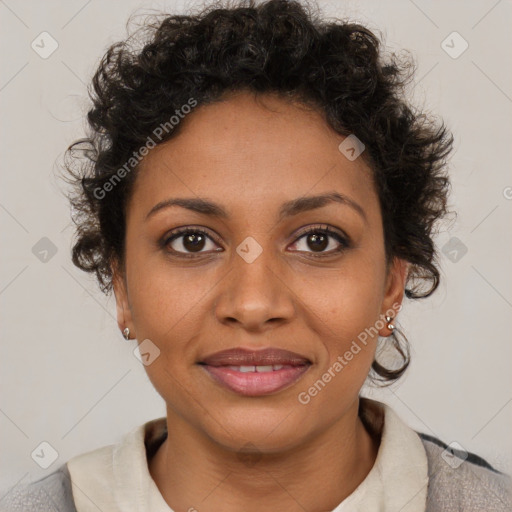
(256, 295)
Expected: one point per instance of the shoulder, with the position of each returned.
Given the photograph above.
(460, 480)
(53, 492)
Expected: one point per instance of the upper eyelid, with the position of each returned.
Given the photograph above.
(301, 232)
(175, 234)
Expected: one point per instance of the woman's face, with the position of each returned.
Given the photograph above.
(253, 277)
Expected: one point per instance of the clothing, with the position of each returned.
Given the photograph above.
(413, 472)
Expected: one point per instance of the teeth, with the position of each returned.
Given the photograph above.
(263, 369)
(259, 369)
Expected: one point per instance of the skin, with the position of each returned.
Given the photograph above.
(250, 156)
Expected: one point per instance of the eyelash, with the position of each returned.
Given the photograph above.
(326, 230)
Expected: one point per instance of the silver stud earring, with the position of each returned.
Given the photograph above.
(126, 333)
(390, 326)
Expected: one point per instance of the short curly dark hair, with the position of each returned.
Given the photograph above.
(281, 47)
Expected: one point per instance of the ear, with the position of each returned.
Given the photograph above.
(395, 287)
(124, 316)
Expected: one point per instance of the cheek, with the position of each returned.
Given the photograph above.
(162, 297)
(342, 309)
(166, 306)
(348, 299)
(343, 317)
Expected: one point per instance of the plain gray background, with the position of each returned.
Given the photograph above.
(67, 376)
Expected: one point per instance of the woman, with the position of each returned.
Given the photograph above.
(259, 197)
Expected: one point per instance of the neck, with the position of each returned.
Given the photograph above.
(193, 472)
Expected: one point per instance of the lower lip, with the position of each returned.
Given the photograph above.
(254, 383)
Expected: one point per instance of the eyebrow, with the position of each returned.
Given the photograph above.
(288, 209)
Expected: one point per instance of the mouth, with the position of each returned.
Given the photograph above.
(255, 373)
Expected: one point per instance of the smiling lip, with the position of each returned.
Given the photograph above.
(244, 357)
(255, 373)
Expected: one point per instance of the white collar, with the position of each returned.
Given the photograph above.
(116, 477)
(398, 479)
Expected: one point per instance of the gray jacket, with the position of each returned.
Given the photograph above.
(467, 484)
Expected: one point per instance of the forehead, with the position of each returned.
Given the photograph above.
(252, 149)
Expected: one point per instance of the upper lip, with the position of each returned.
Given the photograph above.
(244, 357)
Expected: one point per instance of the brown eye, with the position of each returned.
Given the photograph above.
(317, 240)
(186, 242)
(193, 242)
